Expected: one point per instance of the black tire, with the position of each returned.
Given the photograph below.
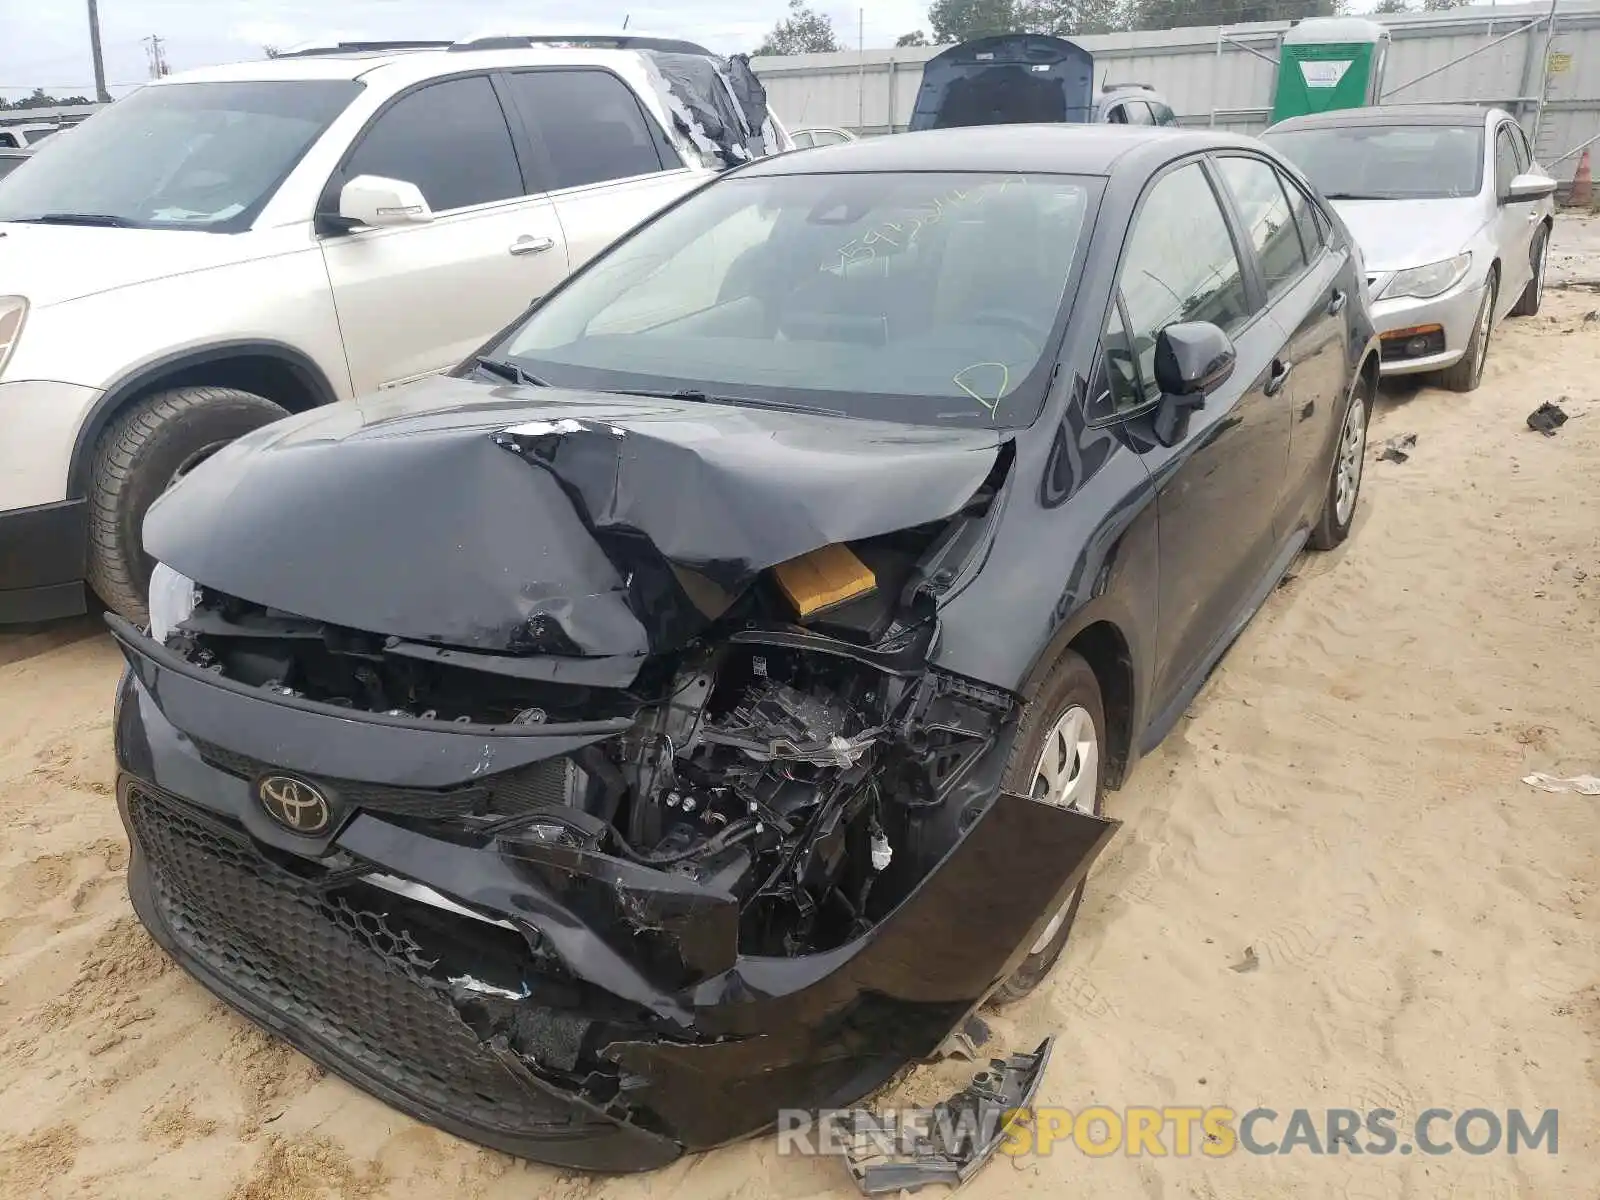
(1533, 295)
(1071, 684)
(1330, 531)
(1466, 374)
(136, 459)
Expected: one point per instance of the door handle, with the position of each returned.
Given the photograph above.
(1279, 376)
(1335, 303)
(528, 244)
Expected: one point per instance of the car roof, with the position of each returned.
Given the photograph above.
(401, 65)
(1390, 114)
(1057, 149)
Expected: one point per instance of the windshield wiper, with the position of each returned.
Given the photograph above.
(1353, 196)
(509, 371)
(72, 218)
(697, 396)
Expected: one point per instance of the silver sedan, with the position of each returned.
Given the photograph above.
(1452, 215)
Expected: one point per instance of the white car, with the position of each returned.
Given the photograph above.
(1453, 217)
(18, 137)
(229, 245)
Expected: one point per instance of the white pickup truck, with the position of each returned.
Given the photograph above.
(229, 245)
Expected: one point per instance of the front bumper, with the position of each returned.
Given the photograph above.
(1453, 312)
(42, 559)
(553, 1004)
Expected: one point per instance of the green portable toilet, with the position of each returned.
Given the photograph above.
(1329, 62)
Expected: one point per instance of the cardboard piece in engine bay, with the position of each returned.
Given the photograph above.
(538, 983)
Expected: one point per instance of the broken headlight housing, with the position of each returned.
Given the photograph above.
(1426, 282)
(172, 599)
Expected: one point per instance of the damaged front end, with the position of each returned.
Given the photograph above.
(617, 859)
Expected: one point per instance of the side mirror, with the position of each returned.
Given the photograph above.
(376, 201)
(1524, 188)
(1193, 359)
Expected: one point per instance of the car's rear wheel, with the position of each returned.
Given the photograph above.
(1466, 374)
(1533, 295)
(1058, 759)
(1349, 460)
(139, 456)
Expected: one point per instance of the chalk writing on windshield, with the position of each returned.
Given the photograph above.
(902, 231)
(968, 380)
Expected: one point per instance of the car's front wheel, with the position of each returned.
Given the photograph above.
(139, 456)
(1349, 460)
(1058, 759)
(1468, 372)
(1533, 295)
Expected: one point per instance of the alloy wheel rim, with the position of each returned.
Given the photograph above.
(1352, 454)
(1067, 775)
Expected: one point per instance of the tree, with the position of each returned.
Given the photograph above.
(270, 51)
(1442, 5)
(961, 20)
(915, 38)
(40, 100)
(1175, 14)
(1392, 6)
(804, 31)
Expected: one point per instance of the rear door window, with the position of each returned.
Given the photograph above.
(591, 126)
(1268, 220)
(450, 139)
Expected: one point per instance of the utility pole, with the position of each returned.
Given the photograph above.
(861, 77)
(157, 56)
(100, 92)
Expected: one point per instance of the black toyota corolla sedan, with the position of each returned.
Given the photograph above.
(699, 703)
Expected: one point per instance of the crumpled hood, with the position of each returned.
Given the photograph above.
(50, 264)
(1396, 234)
(520, 519)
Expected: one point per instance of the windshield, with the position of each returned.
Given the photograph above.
(908, 297)
(1387, 162)
(181, 156)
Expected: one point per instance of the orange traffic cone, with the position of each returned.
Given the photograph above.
(1582, 184)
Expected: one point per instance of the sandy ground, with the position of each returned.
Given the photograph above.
(1343, 805)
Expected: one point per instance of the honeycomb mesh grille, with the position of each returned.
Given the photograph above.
(344, 976)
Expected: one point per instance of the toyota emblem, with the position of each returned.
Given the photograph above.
(294, 804)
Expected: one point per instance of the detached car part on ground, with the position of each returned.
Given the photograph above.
(592, 758)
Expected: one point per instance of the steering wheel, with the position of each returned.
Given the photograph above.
(1011, 321)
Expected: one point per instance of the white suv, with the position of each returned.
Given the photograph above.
(225, 246)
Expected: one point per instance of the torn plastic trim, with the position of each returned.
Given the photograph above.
(371, 747)
(964, 1130)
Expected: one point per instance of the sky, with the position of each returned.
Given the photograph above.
(45, 43)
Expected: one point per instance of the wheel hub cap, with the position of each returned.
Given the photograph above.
(1067, 775)
(1352, 454)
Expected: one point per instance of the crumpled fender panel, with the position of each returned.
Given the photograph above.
(497, 518)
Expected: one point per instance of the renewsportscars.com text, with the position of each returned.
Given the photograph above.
(1181, 1131)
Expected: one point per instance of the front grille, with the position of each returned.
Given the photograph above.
(508, 794)
(346, 976)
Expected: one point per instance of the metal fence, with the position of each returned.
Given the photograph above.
(1541, 61)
